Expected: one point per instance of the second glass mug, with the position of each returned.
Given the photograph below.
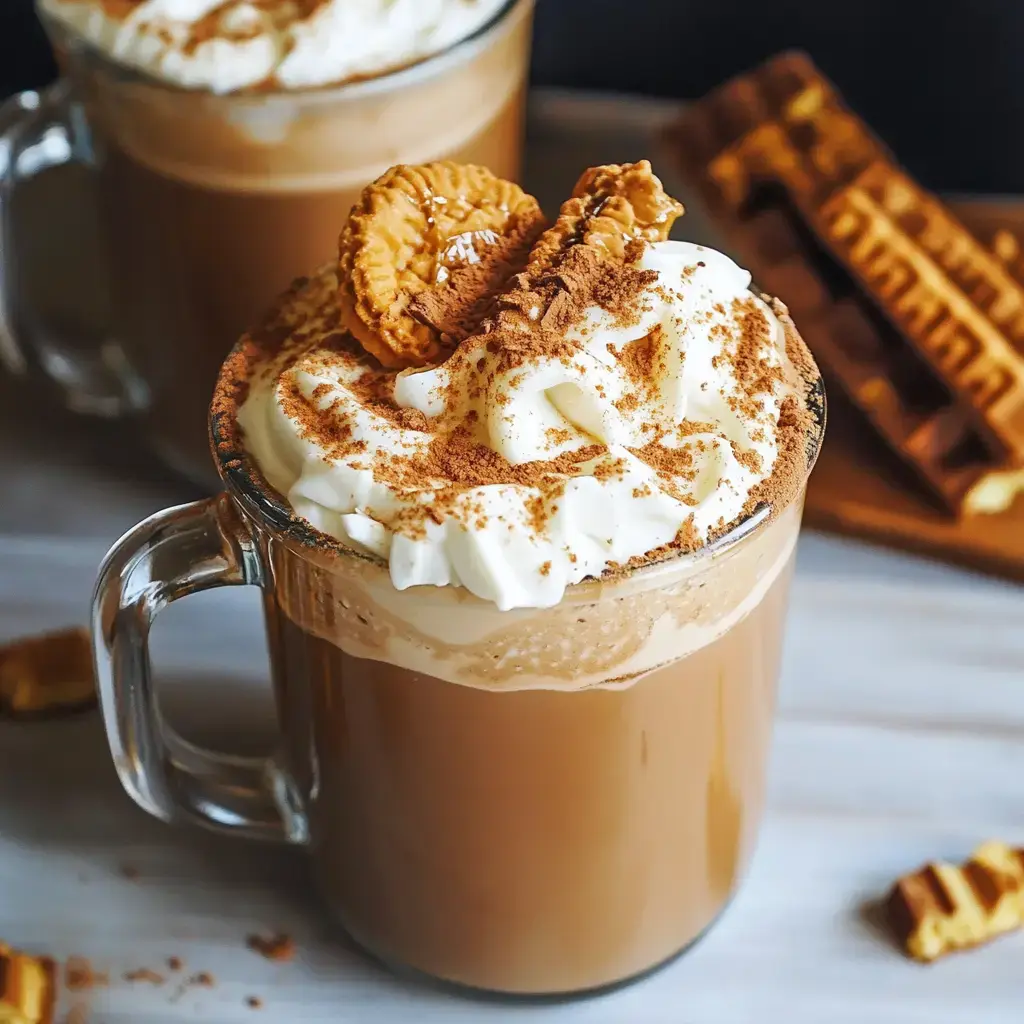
(210, 204)
(530, 802)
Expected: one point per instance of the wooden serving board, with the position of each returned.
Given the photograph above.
(859, 488)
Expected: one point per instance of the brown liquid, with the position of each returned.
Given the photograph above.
(530, 841)
(213, 204)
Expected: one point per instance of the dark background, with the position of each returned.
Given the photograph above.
(942, 81)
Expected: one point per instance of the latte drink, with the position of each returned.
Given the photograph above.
(525, 625)
(540, 801)
(522, 499)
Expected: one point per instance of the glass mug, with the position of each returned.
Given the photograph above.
(528, 802)
(209, 204)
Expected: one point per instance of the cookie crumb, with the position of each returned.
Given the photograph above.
(80, 977)
(144, 974)
(277, 947)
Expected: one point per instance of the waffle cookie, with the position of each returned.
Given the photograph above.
(27, 988)
(909, 314)
(944, 907)
(47, 675)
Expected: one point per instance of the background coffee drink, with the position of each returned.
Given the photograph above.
(212, 203)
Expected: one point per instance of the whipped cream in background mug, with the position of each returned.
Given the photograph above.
(289, 44)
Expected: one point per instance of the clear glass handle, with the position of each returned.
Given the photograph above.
(175, 553)
(39, 131)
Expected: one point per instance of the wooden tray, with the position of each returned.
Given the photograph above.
(859, 488)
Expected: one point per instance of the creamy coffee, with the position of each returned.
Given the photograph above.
(228, 162)
(535, 495)
(553, 822)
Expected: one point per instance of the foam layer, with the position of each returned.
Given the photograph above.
(287, 44)
(605, 634)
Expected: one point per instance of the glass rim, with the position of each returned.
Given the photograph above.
(248, 487)
(461, 50)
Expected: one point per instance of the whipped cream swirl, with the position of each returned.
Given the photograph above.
(292, 44)
(648, 434)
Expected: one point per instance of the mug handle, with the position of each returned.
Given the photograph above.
(40, 131)
(174, 553)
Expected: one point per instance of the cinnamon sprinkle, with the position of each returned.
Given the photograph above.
(643, 359)
(456, 311)
(559, 435)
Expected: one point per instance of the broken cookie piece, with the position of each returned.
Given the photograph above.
(944, 907)
(47, 675)
(27, 992)
(413, 234)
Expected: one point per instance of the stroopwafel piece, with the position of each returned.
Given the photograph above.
(429, 250)
(47, 675)
(944, 907)
(610, 206)
(27, 988)
(917, 322)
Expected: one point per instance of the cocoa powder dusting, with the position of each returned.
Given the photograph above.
(628, 403)
(747, 457)
(797, 424)
(642, 359)
(117, 10)
(456, 462)
(559, 435)
(756, 375)
(535, 314)
(456, 308)
(255, 354)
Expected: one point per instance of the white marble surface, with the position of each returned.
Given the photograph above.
(900, 738)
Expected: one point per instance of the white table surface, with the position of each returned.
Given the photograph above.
(900, 738)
